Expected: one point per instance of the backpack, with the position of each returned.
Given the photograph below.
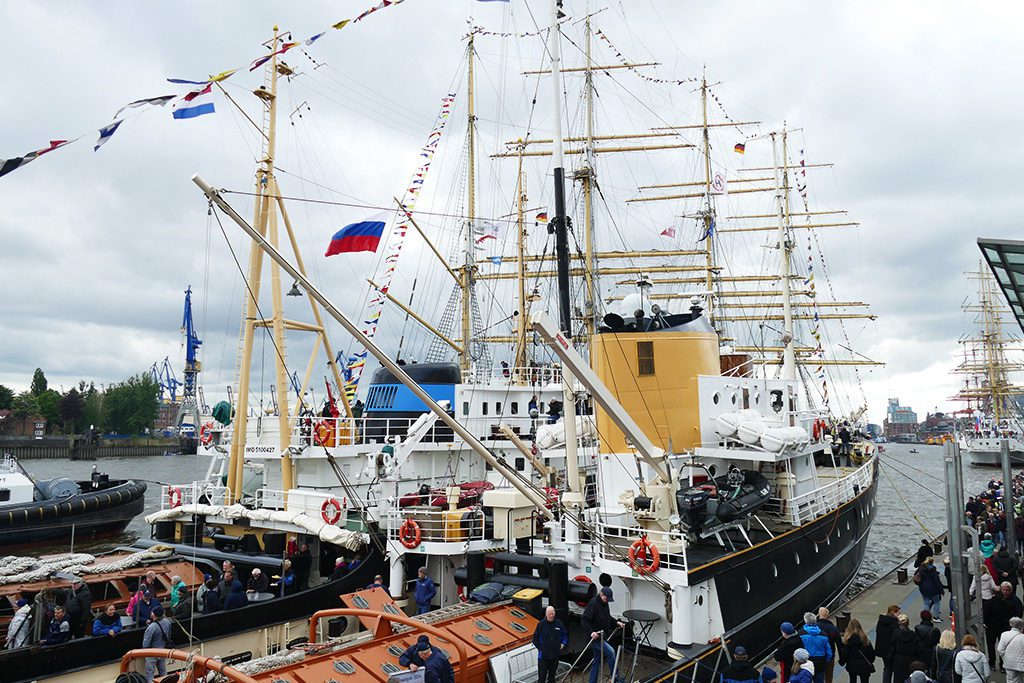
(917, 577)
(486, 593)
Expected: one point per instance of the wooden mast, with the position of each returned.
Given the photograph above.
(465, 361)
(520, 375)
(586, 175)
(709, 214)
(785, 249)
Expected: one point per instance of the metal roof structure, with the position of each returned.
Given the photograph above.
(1006, 260)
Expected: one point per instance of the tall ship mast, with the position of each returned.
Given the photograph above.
(988, 391)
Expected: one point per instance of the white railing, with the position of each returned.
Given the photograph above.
(341, 431)
(614, 541)
(439, 526)
(809, 506)
(317, 504)
(176, 495)
(534, 375)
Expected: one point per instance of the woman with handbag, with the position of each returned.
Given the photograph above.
(970, 664)
(945, 653)
(856, 654)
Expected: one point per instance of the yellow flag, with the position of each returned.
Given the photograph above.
(341, 24)
(222, 75)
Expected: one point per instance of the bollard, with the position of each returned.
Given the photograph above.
(901, 575)
(937, 547)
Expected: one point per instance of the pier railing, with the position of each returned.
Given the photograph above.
(813, 504)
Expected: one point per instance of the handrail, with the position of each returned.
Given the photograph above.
(198, 663)
(314, 621)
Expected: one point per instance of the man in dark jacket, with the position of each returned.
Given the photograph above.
(817, 645)
(439, 669)
(411, 657)
(741, 670)
(597, 621)
(834, 639)
(59, 631)
(425, 591)
(258, 582)
(927, 640)
(1005, 566)
(884, 631)
(791, 642)
(923, 553)
(550, 638)
(930, 584)
(1004, 606)
(78, 607)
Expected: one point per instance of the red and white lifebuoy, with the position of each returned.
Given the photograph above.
(174, 497)
(206, 433)
(644, 557)
(409, 534)
(331, 511)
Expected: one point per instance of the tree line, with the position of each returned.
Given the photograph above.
(128, 407)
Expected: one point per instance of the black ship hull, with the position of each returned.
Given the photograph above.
(779, 580)
(34, 662)
(102, 512)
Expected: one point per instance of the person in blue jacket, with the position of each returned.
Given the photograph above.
(740, 670)
(378, 582)
(59, 631)
(108, 623)
(425, 591)
(549, 638)
(818, 647)
(236, 596)
(439, 669)
(411, 657)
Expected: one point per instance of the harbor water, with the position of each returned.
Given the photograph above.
(911, 497)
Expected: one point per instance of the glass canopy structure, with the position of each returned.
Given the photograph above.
(1006, 259)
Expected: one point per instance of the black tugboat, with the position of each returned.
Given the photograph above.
(33, 512)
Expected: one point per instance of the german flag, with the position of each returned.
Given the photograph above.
(740, 148)
(542, 217)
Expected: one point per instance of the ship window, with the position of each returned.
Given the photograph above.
(732, 398)
(514, 407)
(484, 408)
(520, 464)
(796, 557)
(716, 398)
(746, 583)
(5, 495)
(465, 407)
(645, 358)
(497, 408)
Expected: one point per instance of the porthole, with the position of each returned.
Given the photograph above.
(775, 571)
(828, 540)
(746, 584)
(816, 549)
(700, 600)
(796, 557)
(847, 525)
(713, 470)
(732, 398)
(839, 532)
(716, 398)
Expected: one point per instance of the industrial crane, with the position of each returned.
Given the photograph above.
(187, 421)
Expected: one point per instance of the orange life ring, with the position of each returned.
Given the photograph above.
(206, 433)
(331, 511)
(644, 557)
(409, 534)
(585, 579)
(323, 434)
(174, 497)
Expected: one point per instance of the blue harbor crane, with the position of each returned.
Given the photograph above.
(187, 422)
(165, 380)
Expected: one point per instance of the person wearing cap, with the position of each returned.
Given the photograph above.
(597, 621)
(425, 591)
(59, 630)
(20, 626)
(144, 607)
(769, 675)
(78, 605)
(927, 640)
(550, 638)
(740, 670)
(803, 667)
(157, 635)
(412, 656)
(258, 582)
(791, 642)
(885, 630)
(987, 546)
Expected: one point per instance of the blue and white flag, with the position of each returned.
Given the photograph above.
(709, 232)
(106, 132)
(194, 104)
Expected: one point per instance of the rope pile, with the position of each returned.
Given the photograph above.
(15, 569)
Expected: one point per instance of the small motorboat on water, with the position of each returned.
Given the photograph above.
(35, 511)
(913, 450)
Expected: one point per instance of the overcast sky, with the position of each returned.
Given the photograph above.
(916, 104)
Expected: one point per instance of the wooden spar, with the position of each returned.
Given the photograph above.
(610, 255)
(510, 434)
(804, 316)
(692, 280)
(412, 314)
(524, 303)
(795, 213)
(599, 271)
(698, 183)
(444, 262)
(585, 174)
(792, 168)
(797, 304)
(601, 67)
(602, 138)
(291, 325)
(694, 126)
(662, 198)
(468, 269)
(709, 210)
(597, 150)
(823, 361)
(806, 226)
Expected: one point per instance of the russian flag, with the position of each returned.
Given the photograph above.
(190, 106)
(362, 236)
